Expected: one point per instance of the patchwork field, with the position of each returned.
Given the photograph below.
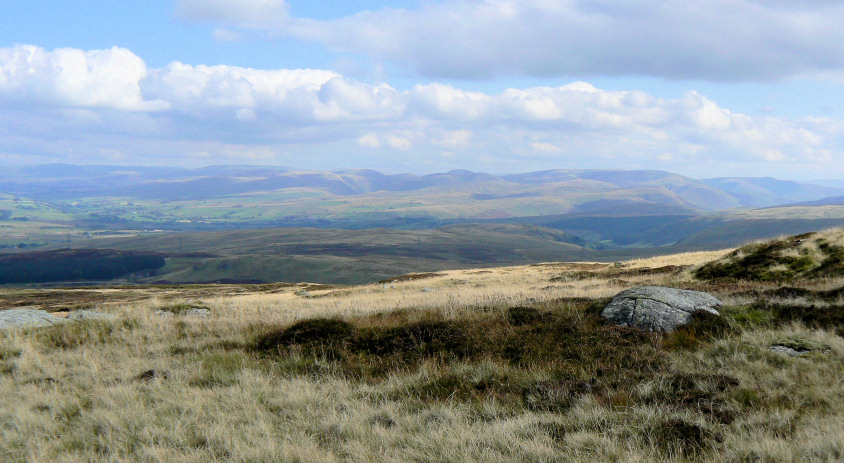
(493, 364)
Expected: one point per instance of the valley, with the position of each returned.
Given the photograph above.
(269, 224)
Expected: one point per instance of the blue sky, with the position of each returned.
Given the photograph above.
(703, 87)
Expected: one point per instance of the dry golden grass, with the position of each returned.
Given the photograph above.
(153, 388)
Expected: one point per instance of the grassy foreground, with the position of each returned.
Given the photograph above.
(493, 365)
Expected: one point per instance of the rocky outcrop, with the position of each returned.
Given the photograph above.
(657, 308)
(26, 317)
(23, 317)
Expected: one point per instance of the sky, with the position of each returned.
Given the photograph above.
(704, 88)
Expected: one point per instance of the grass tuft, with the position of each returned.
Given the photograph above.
(520, 316)
(75, 335)
(557, 396)
(677, 436)
(328, 335)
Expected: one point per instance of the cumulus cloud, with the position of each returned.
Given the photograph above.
(107, 102)
(211, 91)
(399, 143)
(693, 39)
(70, 77)
(369, 140)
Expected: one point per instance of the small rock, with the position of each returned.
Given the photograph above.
(23, 317)
(788, 350)
(197, 312)
(657, 308)
(426, 290)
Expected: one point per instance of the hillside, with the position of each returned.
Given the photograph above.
(620, 213)
(476, 365)
(337, 256)
(806, 256)
(342, 256)
(767, 191)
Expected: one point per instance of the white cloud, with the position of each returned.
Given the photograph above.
(369, 140)
(245, 13)
(399, 143)
(100, 103)
(70, 77)
(340, 98)
(706, 114)
(202, 91)
(693, 39)
(454, 139)
(437, 100)
(546, 148)
(245, 115)
(225, 35)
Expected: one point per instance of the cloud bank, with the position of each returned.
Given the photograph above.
(108, 106)
(694, 39)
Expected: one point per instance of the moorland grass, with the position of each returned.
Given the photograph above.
(494, 366)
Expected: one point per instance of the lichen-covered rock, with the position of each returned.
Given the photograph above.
(657, 308)
(23, 317)
(788, 351)
(26, 317)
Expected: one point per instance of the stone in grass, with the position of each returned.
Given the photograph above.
(198, 312)
(797, 347)
(25, 317)
(788, 351)
(657, 308)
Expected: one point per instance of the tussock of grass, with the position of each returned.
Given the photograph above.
(679, 437)
(93, 332)
(813, 315)
(811, 255)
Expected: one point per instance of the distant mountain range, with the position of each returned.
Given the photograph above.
(767, 191)
(551, 191)
(257, 223)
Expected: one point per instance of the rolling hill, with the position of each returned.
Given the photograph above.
(372, 225)
(572, 190)
(767, 191)
(341, 256)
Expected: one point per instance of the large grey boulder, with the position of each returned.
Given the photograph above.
(656, 308)
(22, 317)
(26, 317)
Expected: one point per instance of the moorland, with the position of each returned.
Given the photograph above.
(496, 364)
